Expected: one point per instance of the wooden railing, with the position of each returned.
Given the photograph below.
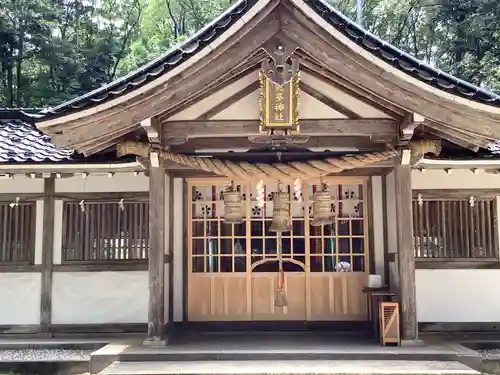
(455, 228)
(110, 230)
(17, 232)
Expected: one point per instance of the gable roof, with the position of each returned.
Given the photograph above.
(189, 48)
(21, 142)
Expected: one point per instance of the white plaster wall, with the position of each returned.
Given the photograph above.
(458, 295)
(247, 108)
(100, 297)
(102, 183)
(21, 184)
(20, 295)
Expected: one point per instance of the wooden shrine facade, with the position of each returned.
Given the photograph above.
(291, 110)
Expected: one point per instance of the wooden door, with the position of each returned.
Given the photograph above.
(233, 269)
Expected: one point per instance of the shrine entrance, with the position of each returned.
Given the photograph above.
(233, 269)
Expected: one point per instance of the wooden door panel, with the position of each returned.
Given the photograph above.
(263, 296)
(225, 281)
(337, 296)
(218, 298)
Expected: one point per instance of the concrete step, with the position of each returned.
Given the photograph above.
(309, 367)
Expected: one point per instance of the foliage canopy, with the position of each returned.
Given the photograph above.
(54, 50)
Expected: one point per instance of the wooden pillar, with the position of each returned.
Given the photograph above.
(406, 259)
(156, 318)
(171, 251)
(47, 254)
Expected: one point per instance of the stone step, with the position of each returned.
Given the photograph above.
(311, 367)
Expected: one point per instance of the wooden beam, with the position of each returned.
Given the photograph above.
(406, 259)
(156, 318)
(379, 169)
(171, 218)
(185, 82)
(177, 91)
(47, 255)
(454, 136)
(248, 66)
(152, 128)
(314, 68)
(225, 143)
(408, 126)
(230, 101)
(377, 79)
(376, 127)
(328, 101)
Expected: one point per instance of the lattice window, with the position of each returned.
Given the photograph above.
(17, 232)
(454, 227)
(216, 246)
(220, 247)
(264, 243)
(340, 247)
(108, 230)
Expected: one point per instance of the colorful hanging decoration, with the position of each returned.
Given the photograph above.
(297, 187)
(233, 205)
(322, 206)
(281, 211)
(82, 205)
(15, 203)
(472, 201)
(260, 194)
(420, 199)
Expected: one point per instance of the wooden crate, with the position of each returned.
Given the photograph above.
(389, 323)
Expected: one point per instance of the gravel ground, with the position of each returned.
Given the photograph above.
(44, 355)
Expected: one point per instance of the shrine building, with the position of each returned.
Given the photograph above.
(270, 172)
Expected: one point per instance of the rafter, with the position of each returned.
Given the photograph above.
(229, 102)
(385, 81)
(238, 72)
(463, 140)
(328, 102)
(177, 87)
(314, 68)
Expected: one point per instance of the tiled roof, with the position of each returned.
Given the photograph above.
(401, 60)
(22, 142)
(178, 55)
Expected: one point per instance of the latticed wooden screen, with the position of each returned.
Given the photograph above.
(17, 232)
(216, 246)
(340, 246)
(220, 247)
(455, 228)
(111, 230)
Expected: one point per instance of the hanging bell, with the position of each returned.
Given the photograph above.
(322, 207)
(281, 212)
(233, 210)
